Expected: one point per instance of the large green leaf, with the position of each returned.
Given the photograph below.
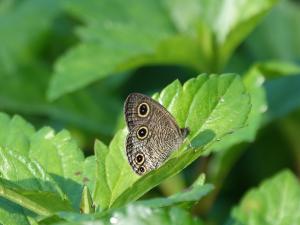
(61, 157)
(15, 164)
(25, 172)
(18, 168)
(43, 160)
(99, 56)
(119, 36)
(275, 201)
(22, 30)
(42, 203)
(211, 106)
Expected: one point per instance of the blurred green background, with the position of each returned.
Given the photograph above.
(71, 64)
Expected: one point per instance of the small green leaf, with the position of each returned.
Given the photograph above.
(195, 194)
(15, 133)
(275, 69)
(275, 201)
(86, 204)
(211, 105)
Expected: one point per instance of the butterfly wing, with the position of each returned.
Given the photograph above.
(162, 134)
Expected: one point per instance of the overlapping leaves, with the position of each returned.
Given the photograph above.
(210, 105)
(197, 34)
(41, 167)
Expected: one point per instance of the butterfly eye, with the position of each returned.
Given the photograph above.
(143, 109)
(142, 132)
(139, 158)
(142, 169)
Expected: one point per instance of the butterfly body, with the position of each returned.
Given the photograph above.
(153, 133)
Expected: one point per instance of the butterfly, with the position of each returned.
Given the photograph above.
(153, 133)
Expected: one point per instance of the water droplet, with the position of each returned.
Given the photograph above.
(263, 108)
(222, 100)
(260, 80)
(113, 220)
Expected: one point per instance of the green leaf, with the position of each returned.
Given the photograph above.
(79, 110)
(198, 34)
(219, 25)
(253, 80)
(18, 168)
(77, 68)
(211, 106)
(278, 80)
(15, 133)
(275, 69)
(86, 204)
(89, 172)
(42, 203)
(234, 145)
(25, 172)
(195, 194)
(275, 201)
(12, 214)
(21, 37)
(61, 157)
(113, 174)
(140, 215)
(15, 164)
(284, 45)
(43, 160)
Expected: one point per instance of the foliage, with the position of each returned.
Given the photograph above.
(275, 201)
(66, 68)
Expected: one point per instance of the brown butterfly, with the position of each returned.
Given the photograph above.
(153, 133)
